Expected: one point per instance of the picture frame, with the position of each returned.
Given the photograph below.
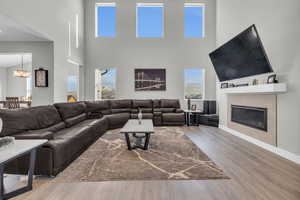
(150, 79)
(272, 79)
(224, 85)
(41, 77)
(194, 107)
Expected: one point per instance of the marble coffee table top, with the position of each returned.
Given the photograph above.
(18, 148)
(133, 126)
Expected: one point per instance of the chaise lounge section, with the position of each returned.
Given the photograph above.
(72, 127)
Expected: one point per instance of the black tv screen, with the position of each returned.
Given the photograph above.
(242, 56)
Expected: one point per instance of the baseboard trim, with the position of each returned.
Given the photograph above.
(281, 152)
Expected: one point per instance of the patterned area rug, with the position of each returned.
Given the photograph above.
(171, 156)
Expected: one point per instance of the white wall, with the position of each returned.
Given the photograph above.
(42, 56)
(16, 87)
(3, 83)
(51, 19)
(173, 52)
(278, 26)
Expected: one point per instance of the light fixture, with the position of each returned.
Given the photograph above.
(21, 73)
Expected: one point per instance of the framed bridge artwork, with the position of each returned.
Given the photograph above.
(153, 79)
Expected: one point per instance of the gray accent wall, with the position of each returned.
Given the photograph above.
(173, 52)
(279, 28)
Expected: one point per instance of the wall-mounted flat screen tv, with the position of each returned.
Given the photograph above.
(242, 56)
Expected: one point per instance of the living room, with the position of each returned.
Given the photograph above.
(132, 100)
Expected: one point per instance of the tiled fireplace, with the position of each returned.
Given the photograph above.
(254, 115)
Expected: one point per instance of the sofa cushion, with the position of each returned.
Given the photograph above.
(144, 110)
(78, 137)
(17, 121)
(156, 103)
(145, 116)
(173, 118)
(21, 120)
(121, 110)
(69, 110)
(170, 103)
(99, 125)
(36, 134)
(75, 120)
(117, 120)
(142, 104)
(46, 115)
(167, 110)
(97, 108)
(55, 128)
(119, 104)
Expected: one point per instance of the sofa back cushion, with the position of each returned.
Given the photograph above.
(21, 120)
(120, 106)
(156, 103)
(69, 110)
(97, 108)
(145, 105)
(17, 121)
(170, 103)
(72, 113)
(46, 115)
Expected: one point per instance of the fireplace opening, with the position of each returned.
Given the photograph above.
(253, 117)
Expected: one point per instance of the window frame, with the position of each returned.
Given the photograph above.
(116, 80)
(137, 19)
(203, 83)
(111, 4)
(203, 17)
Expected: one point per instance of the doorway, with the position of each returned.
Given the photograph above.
(15, 79)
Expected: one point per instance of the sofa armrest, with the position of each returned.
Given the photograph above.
(178, 110)
(34, 135)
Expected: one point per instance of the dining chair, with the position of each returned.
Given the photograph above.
(12, 102)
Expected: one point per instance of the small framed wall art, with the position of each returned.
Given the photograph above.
(41, 77)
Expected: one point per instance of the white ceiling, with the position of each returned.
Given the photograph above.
(10, 60)
(11, 30)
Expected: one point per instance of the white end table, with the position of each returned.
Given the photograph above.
(13, 151)
(188, 114)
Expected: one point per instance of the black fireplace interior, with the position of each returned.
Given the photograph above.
(250, 116)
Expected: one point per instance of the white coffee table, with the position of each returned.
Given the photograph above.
(139, 132)
(13, 151)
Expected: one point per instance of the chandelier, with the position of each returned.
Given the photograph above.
(21, 73)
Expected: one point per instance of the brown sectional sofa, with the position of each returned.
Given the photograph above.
(72, 127)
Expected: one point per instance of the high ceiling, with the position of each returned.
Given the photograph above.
(11, 30)
(10, 60)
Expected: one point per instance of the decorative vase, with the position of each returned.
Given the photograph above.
(140, 116)
(189, 104)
